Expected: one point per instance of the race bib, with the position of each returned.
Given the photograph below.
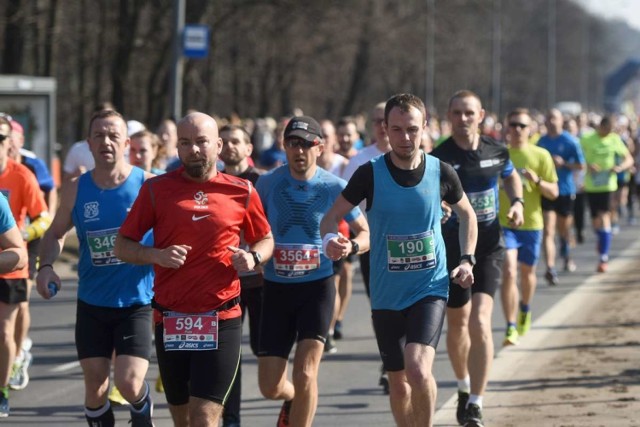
(484, 204)
(101, 244)
(411, 252)
(194, 332)
(600, 179)
(295, 260)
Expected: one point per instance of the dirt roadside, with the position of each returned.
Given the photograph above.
(579, 365)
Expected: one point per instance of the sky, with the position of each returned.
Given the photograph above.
(628, 10)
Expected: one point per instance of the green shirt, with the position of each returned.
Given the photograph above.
(605, 152)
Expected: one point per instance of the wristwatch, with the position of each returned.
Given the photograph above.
(517, 200)
(257, 258)
(470, 258)
(355, 247)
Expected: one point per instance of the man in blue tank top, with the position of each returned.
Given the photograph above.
(409, 280)
(114, 298)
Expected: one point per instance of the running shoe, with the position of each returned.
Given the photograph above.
(20, 372)
(337, 332)
(463, 398)
(116, 398)
(473, 416)
(330, 345)
(511, 337)
(159, 385)
(4, 405)
(142, 418)
(524, 323)
(283, 418)
(384, 380)
(552, 277)
(602, 267)
(569, 265)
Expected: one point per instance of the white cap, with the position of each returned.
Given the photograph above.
(134, 126)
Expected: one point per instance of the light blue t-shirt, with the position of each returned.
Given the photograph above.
(103, 279)
(294, 209)
(6, 217)
(568, 147)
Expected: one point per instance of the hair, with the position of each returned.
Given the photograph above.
(5, 121)
(404, 101)
(232, 127)
(464, 93)
(346, 121)
(105, 114)
(606, 120)
(517, 112)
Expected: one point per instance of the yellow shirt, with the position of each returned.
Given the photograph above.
(539, 161)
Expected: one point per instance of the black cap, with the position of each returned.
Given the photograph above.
(304, 127)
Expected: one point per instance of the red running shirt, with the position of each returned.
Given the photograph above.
(208, 217)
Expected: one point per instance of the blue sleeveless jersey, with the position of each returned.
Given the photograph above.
(408, 260)
(294, 209)
(104, 280)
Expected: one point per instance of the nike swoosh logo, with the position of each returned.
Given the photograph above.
(198, 218)
(126, 337)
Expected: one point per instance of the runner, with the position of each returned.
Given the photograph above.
(480, 162)
(409, 292)
(299, 290)
(113, 310)
(539, 178)
(197, 215)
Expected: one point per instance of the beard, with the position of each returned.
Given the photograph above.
(199, 169)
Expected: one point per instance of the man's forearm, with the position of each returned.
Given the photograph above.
(133, 252)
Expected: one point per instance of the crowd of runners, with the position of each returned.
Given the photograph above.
(186, 229)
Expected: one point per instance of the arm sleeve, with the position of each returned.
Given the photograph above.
(450, 186)
(360, 186)
(256, 225)
(141, 218)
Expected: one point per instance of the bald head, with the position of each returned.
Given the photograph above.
(554, 122)
(199, 145)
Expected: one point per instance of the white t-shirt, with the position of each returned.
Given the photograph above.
(363, 156)
(79, 156)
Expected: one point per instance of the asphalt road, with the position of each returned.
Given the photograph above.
(349, 391)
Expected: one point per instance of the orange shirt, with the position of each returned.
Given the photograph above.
(21, 188)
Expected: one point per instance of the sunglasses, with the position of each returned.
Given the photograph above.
(3, 137)
(300, 143)
(518, 125)
(6, 116)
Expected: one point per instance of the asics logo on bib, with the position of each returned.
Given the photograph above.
(198, 218)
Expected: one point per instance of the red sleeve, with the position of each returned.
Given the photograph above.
(141, 218)
(33, 197)
(255, 224)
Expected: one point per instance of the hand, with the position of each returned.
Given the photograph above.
(338, 247)
(593, 168)
(242, 260)
(516, 215)
(173, 257)
(44, 277)
(463, 275)
(446, 212)
(558, 161)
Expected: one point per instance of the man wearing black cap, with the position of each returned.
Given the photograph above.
(299, 290)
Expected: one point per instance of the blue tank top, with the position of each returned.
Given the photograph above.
(408, 260)
(294, 209)
(104, 280)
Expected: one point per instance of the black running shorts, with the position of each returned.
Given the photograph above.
(563, 205)
(207, 374)
(100, 330)
(599, 203)
(13, 291)
(293, 312)
(487, 272)
(420, 323)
